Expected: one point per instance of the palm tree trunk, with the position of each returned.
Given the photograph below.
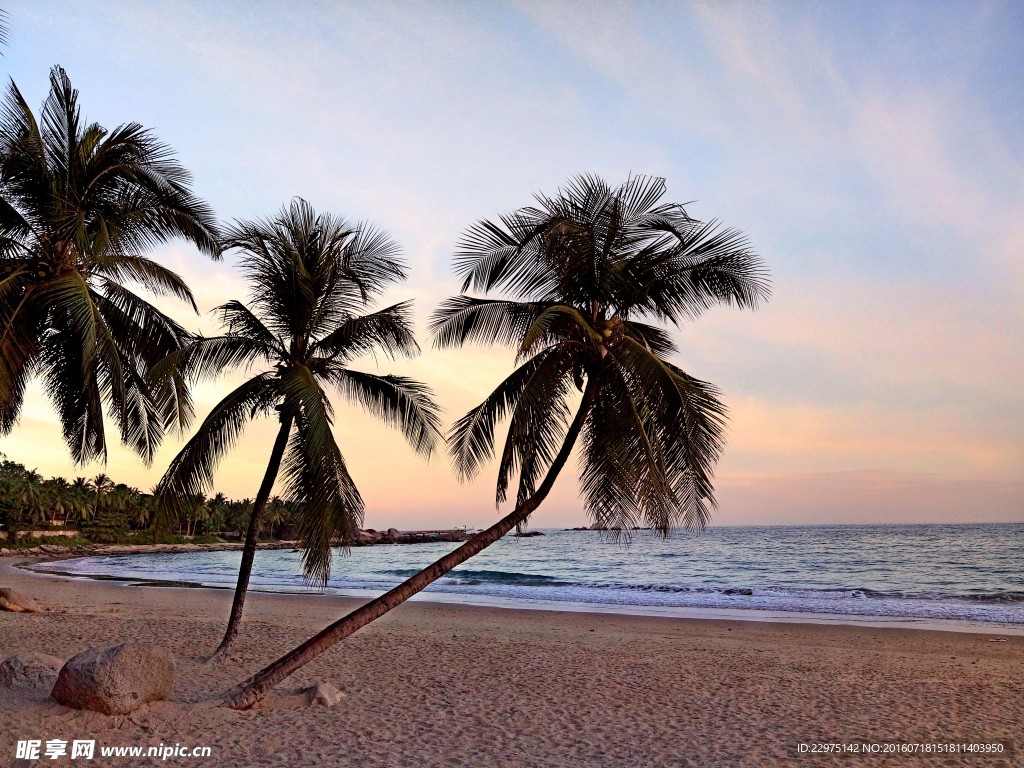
(252, 690)
(252, 534)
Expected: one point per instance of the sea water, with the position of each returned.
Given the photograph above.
(925, 573)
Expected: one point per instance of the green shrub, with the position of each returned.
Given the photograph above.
(26, 542)
(146, 537)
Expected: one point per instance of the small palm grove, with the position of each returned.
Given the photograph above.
(580, 286)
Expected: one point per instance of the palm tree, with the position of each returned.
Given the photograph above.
(219, 506)
(81, 493)
(310, 275)
(79, 206)
(60, 500)
(101, 486)
(584, 271)
(31, 495)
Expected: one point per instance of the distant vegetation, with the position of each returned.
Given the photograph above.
(103, 511)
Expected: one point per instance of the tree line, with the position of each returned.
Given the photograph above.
(107, 512)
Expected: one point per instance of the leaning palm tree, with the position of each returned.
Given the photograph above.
(310, 276)
(585, 273)
(79, 208)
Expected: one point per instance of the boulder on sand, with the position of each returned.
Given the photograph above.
(29, 670)
(322, 695)
(17, 602)
(115, 680)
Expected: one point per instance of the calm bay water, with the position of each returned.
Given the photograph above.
(972, 573)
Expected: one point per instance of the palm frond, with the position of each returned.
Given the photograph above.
(687, 419)
(148, 274)
(400, 402)
(190, 473)
(316, 478)
(706, 265)
(471, 438)
(651, 336)
(537, 425)
(539, 333)
(243, 322)
(463, 319)
(387, 330)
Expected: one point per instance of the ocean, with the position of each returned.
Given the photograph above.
(930, 574)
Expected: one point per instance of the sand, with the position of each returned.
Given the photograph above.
(435, 684)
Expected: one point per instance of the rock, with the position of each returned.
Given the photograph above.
(17, 602)
(323, 695)
(527, 534)
(29, 670)
(744, 591)
(393, 534)
(368, 537)
(115, 680)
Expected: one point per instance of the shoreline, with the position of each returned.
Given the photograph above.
(779, 615)
(444, 684)
(526, 604)
(51, 551)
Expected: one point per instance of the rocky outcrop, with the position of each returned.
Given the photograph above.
(368, 538)
(29, 670)
(115, 680)
(17, 602)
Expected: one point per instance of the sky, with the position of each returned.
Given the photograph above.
(871, 152)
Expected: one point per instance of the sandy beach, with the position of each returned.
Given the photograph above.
(434, 684)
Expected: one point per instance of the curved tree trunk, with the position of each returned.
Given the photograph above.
(246, 694)
(251, 536)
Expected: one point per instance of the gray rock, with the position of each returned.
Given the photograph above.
(323, 695)
(115, 680)
(17, 602)
(29, 670)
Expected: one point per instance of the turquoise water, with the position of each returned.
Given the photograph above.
(972, 573)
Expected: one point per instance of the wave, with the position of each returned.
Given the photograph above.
(460, 577)
(465, 576)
